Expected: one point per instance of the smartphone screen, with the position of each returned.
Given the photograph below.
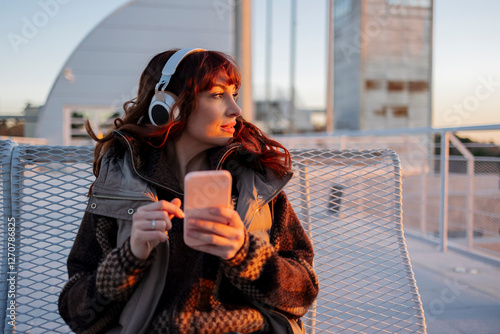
(203, 189)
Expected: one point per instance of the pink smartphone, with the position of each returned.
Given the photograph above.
(203, 189)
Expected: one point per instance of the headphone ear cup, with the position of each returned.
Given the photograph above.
(159, 109)
(170, 99)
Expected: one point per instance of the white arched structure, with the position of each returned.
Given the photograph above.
(104, 70)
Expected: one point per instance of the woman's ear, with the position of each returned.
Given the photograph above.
(175, 113)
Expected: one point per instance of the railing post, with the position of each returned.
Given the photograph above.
(470, 202)
(423, 196)
(470, 188)
(443, 217)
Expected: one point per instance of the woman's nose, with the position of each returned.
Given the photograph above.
(233, 109)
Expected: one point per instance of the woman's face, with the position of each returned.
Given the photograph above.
(212, 123)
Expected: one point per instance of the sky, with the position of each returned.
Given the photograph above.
(37, 37)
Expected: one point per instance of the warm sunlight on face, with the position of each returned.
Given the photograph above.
(212, 122)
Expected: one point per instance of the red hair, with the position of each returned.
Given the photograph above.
(198, 72)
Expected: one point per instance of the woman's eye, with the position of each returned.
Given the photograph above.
(235, 96)
(217, 95)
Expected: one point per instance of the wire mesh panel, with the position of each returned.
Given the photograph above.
(350, 204)
(49, 185)
(6, 148)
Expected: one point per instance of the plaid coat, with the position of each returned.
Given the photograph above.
(196, 292)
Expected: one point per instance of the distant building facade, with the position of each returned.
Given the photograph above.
(273, 117)
(382, 64)
(20, 125)
(103, 72)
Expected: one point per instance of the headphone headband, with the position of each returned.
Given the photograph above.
(162, 101)
(172, 63)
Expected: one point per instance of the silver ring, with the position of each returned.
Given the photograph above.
(153, 224)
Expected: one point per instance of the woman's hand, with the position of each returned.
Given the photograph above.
(220, 231)
(146, 235)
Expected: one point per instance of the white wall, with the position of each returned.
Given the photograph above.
(107, 65)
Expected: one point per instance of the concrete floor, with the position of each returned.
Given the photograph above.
(460, 294)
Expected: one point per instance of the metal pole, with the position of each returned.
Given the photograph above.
(243, 52)
(269, 19)
(470, 187)
(423, 196)
(443, 217)
(293, 51)
(329, 77)
(470, 203)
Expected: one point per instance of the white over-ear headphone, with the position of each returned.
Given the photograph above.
(161, 104)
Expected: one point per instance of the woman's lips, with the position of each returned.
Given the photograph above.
(229, 127)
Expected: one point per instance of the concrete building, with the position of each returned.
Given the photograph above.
(103, 72)
(20, 126)
(273, 117)
(382, 64)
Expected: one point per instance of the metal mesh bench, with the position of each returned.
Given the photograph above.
(349, 202)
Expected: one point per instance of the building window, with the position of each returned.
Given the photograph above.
(100, 119)
(400, 111)
(395, 86)
(373, 84)
(418, 86)
(381, 112)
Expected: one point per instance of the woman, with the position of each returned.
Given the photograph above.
(130, 270)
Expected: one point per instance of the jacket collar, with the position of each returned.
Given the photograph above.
(145, 158)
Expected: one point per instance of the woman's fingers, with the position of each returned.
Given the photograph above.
(171, 208)
(159, 224)
(142, 242)
(221, 215)
(178, 212)
(220, 230)
(149, 226)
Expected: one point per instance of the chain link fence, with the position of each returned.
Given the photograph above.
(473, 193)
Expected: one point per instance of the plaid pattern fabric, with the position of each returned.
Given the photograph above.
(119, 273)
(84, 308)
(218, 318)
(202, 294)
(278, 274)
(250, 269)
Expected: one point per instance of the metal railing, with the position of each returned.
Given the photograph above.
(452, 199)
(348, 200)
